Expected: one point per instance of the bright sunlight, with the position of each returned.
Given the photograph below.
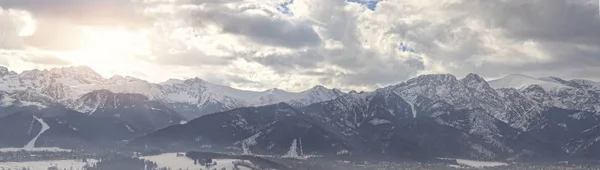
(112, 50)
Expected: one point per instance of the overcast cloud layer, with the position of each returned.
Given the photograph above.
(294, 45)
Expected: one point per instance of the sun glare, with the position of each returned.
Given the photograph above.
(111, 50)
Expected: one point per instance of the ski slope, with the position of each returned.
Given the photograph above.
(45, 127)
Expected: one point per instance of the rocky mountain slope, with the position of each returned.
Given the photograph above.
(440, 115)
(428, 116)
(77, 95)
(191, 98)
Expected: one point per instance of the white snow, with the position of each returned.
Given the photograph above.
(35, 104)
(73, 82)
(480, 164)
(456, 167)
(343, 152)
(171, 160)
(293, 152)
(577, 116)
(129, 128)
(45, 165)
(562, 125)
(152, 108)
(249, 142)
(378, 121)
(41, 149)
(519, 81)
(477, 164)
(74, 128)
(592, 128)
(296, 152)
(413, 109)
(7, 101)
(45, 127)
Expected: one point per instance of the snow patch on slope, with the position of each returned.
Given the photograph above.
(129, 128)
(477, 164)
(413, 109)
(45, 127)
(35, 104)
(519, 81)
(378, 121)
(480, 164)
(249, 142)
(7, 101)
(293, 152)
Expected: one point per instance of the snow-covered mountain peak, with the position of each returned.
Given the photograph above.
(474, 78)
(194, 80)
(434, 79)
(554, 79)
(519, 81)
(76, 70)
(172, 81)
(587, 83)
(4, 71)
(534, 88)
(35, 73)
(195, 96)
(275, 90)
(319, 87)
(75, 76)
(117, 78)
(475, 81)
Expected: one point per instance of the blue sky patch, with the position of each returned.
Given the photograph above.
(371, 4)
(284, 8)
(405, 48)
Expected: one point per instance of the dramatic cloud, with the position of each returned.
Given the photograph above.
(258, 24)
(13, 25)
(95, 12)
(294, 45)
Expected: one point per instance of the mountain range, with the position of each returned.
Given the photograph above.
(516, 117)
(83, 90)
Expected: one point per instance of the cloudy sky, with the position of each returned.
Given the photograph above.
(296, 44)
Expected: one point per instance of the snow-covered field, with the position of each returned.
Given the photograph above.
(477, 164)
(171, 160)
(48, 149)
(44, 165)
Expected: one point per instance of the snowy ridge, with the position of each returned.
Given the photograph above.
(519, 81)
(464, 117)
(64, 85)
(378, 121)
(554, 91)
(196, 97)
